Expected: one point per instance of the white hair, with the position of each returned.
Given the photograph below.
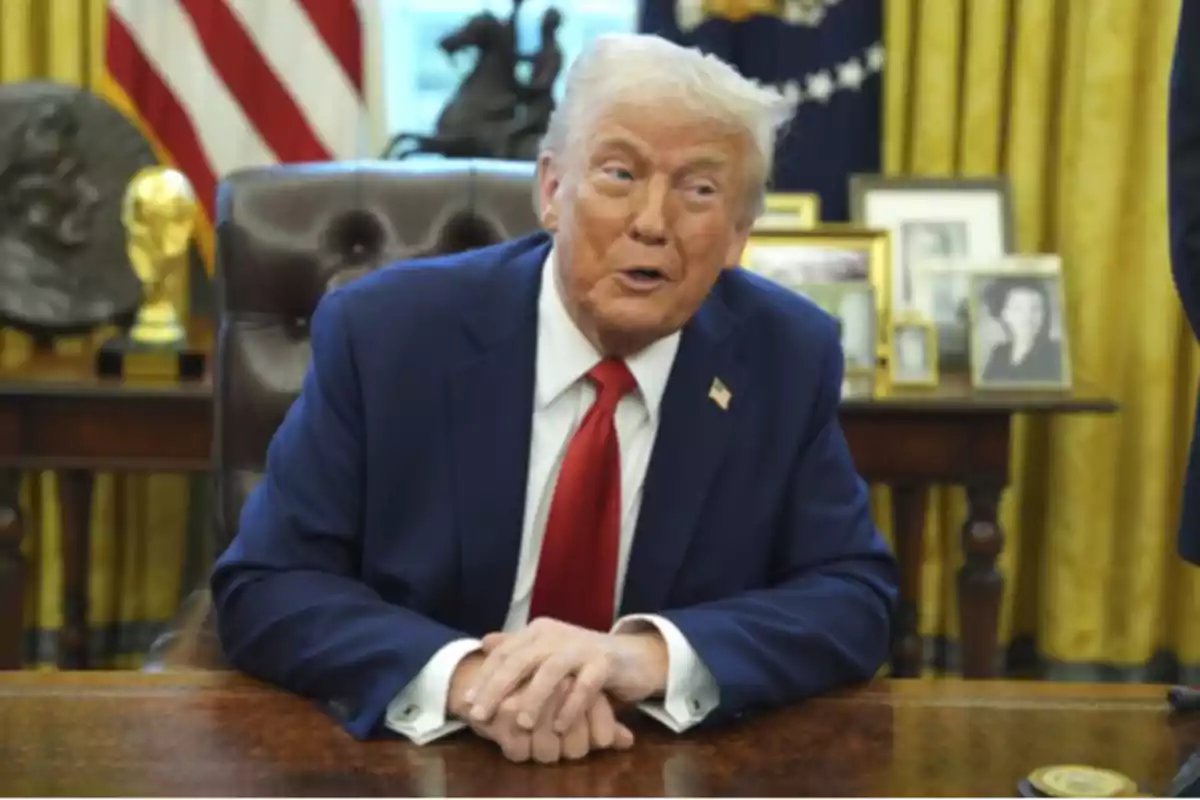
(649, 70)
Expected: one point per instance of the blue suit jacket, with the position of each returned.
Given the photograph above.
(1183, 178)
(389, 521)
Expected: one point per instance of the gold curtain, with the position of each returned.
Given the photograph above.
(138, 523)
(1068, 99)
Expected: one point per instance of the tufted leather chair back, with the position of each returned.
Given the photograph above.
(285, 235)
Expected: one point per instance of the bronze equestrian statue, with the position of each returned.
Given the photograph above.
(492, 114)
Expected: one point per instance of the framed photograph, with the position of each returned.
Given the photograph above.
(913, 357)
(940, 288)
(1018, 331)
(826, 254)
(858, 385)
(789, 212)
(931, 218)
(853, 306)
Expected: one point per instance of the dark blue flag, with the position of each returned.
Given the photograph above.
(825, 54)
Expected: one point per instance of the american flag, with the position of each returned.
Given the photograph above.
(220, 85)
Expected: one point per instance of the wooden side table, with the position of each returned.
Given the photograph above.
(54, 415)
(913, 439)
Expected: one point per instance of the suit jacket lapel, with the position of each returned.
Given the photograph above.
(491, 402)
(692, 437)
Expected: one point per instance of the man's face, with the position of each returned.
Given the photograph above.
(646, 212)
(1023, 311)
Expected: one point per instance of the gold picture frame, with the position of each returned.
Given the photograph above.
(789, 211)
(874, 246)
(902, 347)
(1048, 355)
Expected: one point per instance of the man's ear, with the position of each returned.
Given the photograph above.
(549, 181)
(737, 247)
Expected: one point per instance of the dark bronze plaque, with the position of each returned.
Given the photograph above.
(66, 157)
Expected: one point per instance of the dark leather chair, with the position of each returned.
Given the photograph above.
(284, 236)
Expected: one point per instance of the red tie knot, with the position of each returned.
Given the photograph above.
(613, 379)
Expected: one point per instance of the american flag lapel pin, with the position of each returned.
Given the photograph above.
(719, 393)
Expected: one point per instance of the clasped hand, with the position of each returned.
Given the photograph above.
(544, 692)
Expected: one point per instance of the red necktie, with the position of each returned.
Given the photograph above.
(577, 568)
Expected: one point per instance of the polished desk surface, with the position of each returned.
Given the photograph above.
(216, 734)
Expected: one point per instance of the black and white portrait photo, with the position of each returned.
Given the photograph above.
(1018, 337)
(913, 354)
(926, 240)
(941, 290)
(944, 220)
(853, 306)
(942, 295)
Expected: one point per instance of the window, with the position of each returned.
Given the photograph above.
(418, 77)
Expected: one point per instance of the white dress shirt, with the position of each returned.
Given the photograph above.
(561, 398)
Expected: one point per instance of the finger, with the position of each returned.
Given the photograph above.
(546, 746)
(602, 725)
(576, 743)
(589, 681)
(514, 742)
(622, 738)
(495, 657)
(493, 641)
(504, 649)
(516, 745)
(505, 675)
(506, 715)
(537, 694)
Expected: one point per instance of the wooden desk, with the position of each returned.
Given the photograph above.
(54, 415)
(213, 734)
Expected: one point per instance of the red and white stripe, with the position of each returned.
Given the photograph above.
(220, 85)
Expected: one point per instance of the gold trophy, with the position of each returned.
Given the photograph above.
(159, 215)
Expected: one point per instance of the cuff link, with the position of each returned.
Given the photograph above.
(409, 712)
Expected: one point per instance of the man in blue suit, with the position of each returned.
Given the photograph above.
(1183, 177)
(588, 467)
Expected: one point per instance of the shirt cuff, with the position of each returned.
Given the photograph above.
(692, 692)
(419, 712)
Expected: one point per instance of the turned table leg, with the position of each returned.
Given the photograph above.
(908, 522)
(12, 572)
(75, 503)
(980, 584)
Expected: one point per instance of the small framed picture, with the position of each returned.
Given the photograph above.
(789, 212)
(826, 254)
(853, 306)
(913, 357)
(1018, 331)
(858, 385)
(933, 218)
(940, 289)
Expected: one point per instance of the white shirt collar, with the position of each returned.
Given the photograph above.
(564, 355)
